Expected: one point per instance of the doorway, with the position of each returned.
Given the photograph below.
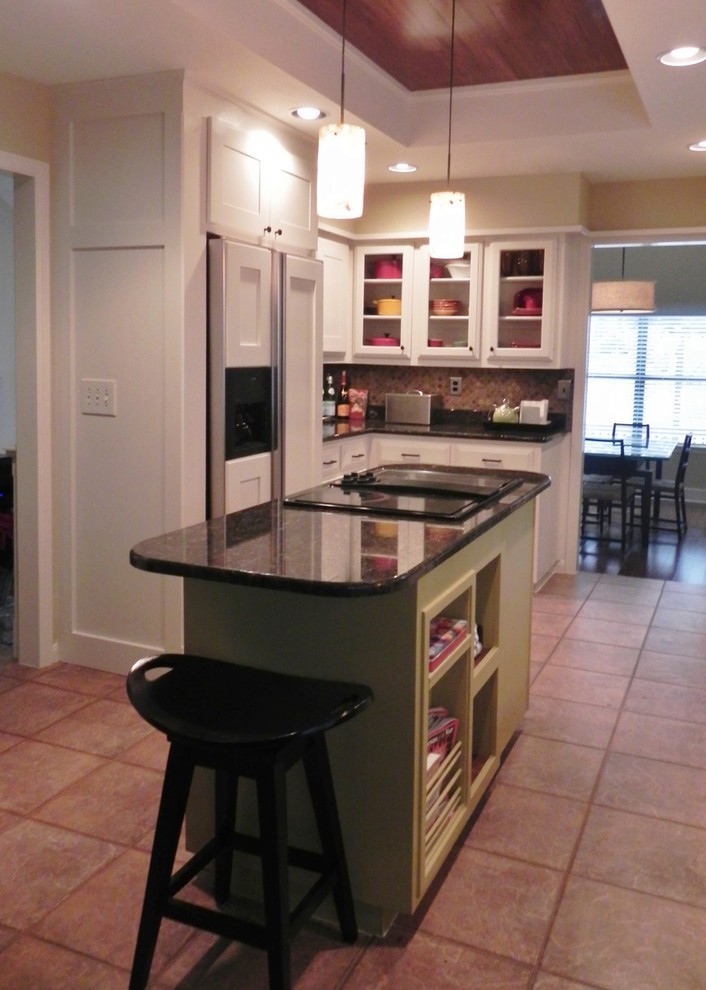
(34, 613)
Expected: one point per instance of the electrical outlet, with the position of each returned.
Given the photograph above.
(455, 386)
(99, 397)
(563, 389)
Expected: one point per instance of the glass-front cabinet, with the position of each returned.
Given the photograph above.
(498, 305)
(447, 306)
(382, 315)
(519, 299)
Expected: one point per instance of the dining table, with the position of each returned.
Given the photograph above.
(600, 458)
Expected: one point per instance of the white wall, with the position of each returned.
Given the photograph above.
(7, 314)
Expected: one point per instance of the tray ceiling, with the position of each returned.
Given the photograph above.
(495, 40)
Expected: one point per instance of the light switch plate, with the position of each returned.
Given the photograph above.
(98, 397)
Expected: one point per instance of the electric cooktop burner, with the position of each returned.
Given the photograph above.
(427, 493)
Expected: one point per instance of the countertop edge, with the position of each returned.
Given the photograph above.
(151, 555)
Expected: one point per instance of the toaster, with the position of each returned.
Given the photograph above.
(413, 408)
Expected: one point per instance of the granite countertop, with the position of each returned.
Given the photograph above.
(460, 425)
(321, 552)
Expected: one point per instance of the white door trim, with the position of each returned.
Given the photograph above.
(34, 620)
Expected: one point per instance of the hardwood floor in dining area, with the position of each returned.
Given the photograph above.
(667, 557)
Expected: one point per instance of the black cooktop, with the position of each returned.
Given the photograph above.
(427, 493)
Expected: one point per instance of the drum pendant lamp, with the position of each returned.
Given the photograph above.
(340, 177)
(447, 210)
(624, 296)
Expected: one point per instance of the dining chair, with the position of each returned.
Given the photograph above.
(675, 489)
(640, 433)
(632, 431)
(601, 494)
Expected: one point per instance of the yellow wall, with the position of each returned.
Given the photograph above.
(495, 203)
(658, 204)
(25, 118)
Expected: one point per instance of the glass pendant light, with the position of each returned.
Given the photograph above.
(623, 296)
(447, 211)
(341, 166)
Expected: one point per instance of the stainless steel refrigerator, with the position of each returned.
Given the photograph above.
(265, 368)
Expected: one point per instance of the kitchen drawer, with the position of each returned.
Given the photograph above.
(354, 455)
(503, 456)
(408, 450)
(330, 460)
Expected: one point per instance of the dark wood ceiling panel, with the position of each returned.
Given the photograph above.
(496, 40)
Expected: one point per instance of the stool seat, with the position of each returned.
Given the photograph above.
(213, 701)
(242, 722)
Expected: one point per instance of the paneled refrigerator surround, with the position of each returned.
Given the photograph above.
(265, 334)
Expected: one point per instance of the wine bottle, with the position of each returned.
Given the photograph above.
(329, 404)
(343, 408)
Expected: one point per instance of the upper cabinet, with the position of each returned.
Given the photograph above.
(501, 305)
(519, 293)
(447, 307)
(383, 302)
(336, 258)
(261, 184)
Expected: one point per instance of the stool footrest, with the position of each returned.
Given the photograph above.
(224, 925)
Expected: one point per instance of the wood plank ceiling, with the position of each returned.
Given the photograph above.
(496, 40)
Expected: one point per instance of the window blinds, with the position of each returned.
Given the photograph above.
(649, 369)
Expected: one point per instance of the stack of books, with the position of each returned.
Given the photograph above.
(444, 634)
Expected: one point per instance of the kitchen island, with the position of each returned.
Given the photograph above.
(363, 597)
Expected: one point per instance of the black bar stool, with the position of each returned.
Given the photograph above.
(242, 722)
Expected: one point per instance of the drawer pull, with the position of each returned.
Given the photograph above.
(493, 460)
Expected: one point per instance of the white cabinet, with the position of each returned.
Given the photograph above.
(519, 291)
(354, 455)
(338, 282)
(507, 292)
(248, 482)
(342, 456)
(383, 300)
(330, 460)
(549, 458)
(261, 183)
(240, 280)
(408, 450)
(447, 307)
(502, 456)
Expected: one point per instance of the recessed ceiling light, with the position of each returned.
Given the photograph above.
(685, 55)
(402, 167)
(698, 146)
(308, 113)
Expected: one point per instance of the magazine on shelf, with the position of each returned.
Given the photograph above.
(442, 731)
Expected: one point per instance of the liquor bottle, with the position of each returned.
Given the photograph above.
(343, 408)
(329, 404)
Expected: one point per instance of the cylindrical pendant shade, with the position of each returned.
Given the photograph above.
(623, 297)
(447, 224)
(340, 178)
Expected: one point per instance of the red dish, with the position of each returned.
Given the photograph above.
(387, 268)
(526, 311)
(435, 342)
(382, 341)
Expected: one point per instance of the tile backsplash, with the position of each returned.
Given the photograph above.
(482, 388)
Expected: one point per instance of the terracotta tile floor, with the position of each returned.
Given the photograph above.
(586, 868)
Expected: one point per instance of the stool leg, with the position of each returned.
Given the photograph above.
(323, 797)
(226, 801)
(172, 807)
(272, 807)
